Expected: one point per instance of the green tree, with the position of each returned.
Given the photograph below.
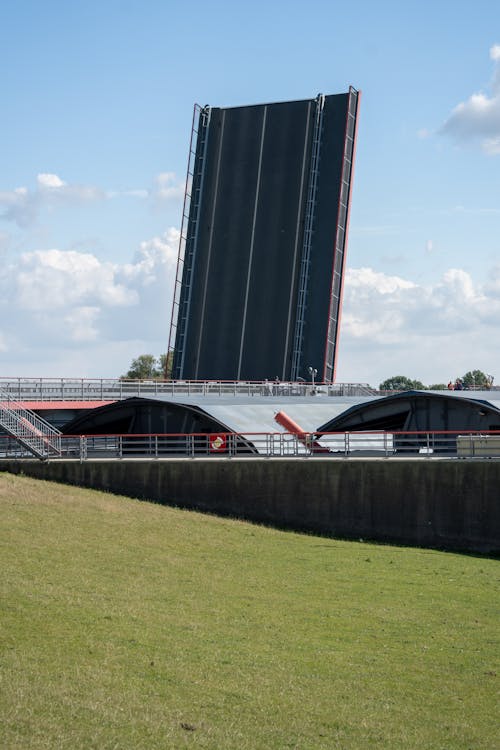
(477, 379)
(144, 367)
(401, 383)
(438, 387)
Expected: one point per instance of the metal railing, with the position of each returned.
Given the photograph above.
(103, 389)
(343, 445)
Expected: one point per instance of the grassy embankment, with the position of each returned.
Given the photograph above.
(131, 625)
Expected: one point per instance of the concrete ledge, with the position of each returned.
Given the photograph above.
(448, 504)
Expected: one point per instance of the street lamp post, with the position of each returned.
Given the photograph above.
(313, 373)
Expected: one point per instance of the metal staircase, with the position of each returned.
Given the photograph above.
(189, 237)
(30, 430)
(308, 236)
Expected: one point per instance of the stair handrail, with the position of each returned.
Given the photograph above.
(24, 425)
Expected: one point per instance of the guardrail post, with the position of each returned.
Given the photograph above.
(83, 448)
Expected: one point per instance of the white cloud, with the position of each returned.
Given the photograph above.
(153, 255)
(495, 52)
(58, 305)
(50, 181)
(361, 279)
(432, 332)
(478, 118)
(389, 307)
(58, 278)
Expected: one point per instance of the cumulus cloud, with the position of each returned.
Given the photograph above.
(50, 181)
(62, 300)
(392, 309)
(60, 278)
(433, 332)
(154, 256)
(478, 118)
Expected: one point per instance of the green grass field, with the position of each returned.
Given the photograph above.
(131, 625)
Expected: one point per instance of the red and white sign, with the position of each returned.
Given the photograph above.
(217, 443)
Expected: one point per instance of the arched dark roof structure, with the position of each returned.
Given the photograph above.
(417, 410)
(142, 416)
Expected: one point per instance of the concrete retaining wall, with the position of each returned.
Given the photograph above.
(450, 504)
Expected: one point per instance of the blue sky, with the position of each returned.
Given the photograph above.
(95, 116)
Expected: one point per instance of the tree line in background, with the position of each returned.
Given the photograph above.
(472, 380)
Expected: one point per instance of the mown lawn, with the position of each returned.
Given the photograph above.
(130, 625)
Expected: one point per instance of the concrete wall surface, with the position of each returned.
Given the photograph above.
(449, 504)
